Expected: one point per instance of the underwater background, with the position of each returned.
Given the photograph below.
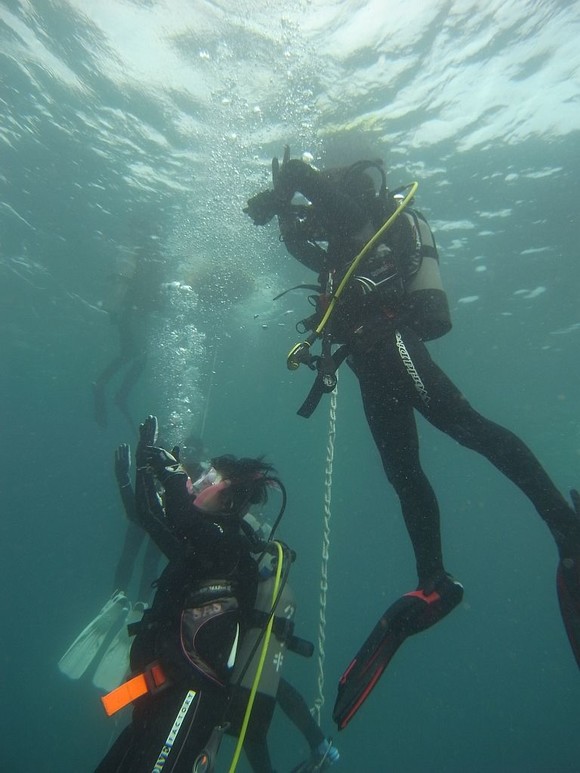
(133, 128)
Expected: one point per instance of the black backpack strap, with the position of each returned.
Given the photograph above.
(325, 381)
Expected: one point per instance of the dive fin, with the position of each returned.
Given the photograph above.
(85, 647)
(410, 614)
(114, 664)
(568, 588)
(365, 670)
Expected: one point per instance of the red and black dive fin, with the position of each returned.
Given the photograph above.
(412, 613)
(568, 588)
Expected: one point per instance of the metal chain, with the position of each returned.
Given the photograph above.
(411, 369)
(319, 701)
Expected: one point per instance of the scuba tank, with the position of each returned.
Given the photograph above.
(282, 629)
(404, 268)
(426, 308)
(402, 272)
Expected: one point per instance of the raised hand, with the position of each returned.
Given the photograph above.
(148, 431)
(123, 464)
(162, 464)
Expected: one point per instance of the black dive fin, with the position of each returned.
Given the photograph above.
(568, 588)
(364, 672)
(412, 613)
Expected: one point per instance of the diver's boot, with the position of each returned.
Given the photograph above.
(412, 613)
(568, 587)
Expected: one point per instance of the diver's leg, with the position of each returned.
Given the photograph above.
(390, 416)
(132, 376)
(294, 706)
(388, 405)
(323, 753)
(568, 588)
(258, 755)
(99, 387)
(448, 410)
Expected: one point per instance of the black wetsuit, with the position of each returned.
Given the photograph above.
(204, 593)
(390, 397)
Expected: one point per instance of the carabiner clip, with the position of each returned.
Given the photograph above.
(299, 355)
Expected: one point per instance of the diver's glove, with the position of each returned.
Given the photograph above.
(148, 431)
(123, 465)
(163, 464)
(264, 206)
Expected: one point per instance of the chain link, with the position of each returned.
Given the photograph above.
(411, 370)
(319, 701)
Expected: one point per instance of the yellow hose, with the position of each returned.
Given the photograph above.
(256, 682)
(368, 246)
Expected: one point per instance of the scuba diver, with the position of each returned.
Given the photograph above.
(188, 645)
(134, 294)
(105, 640)
(379, 295)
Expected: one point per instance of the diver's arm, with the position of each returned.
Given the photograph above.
(134, 536)
(342, 214)
(339, 212)
(149, 511)
(180, 516)
(151, 515)
(309, 253)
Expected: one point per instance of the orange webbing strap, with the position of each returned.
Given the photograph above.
(151, 681)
